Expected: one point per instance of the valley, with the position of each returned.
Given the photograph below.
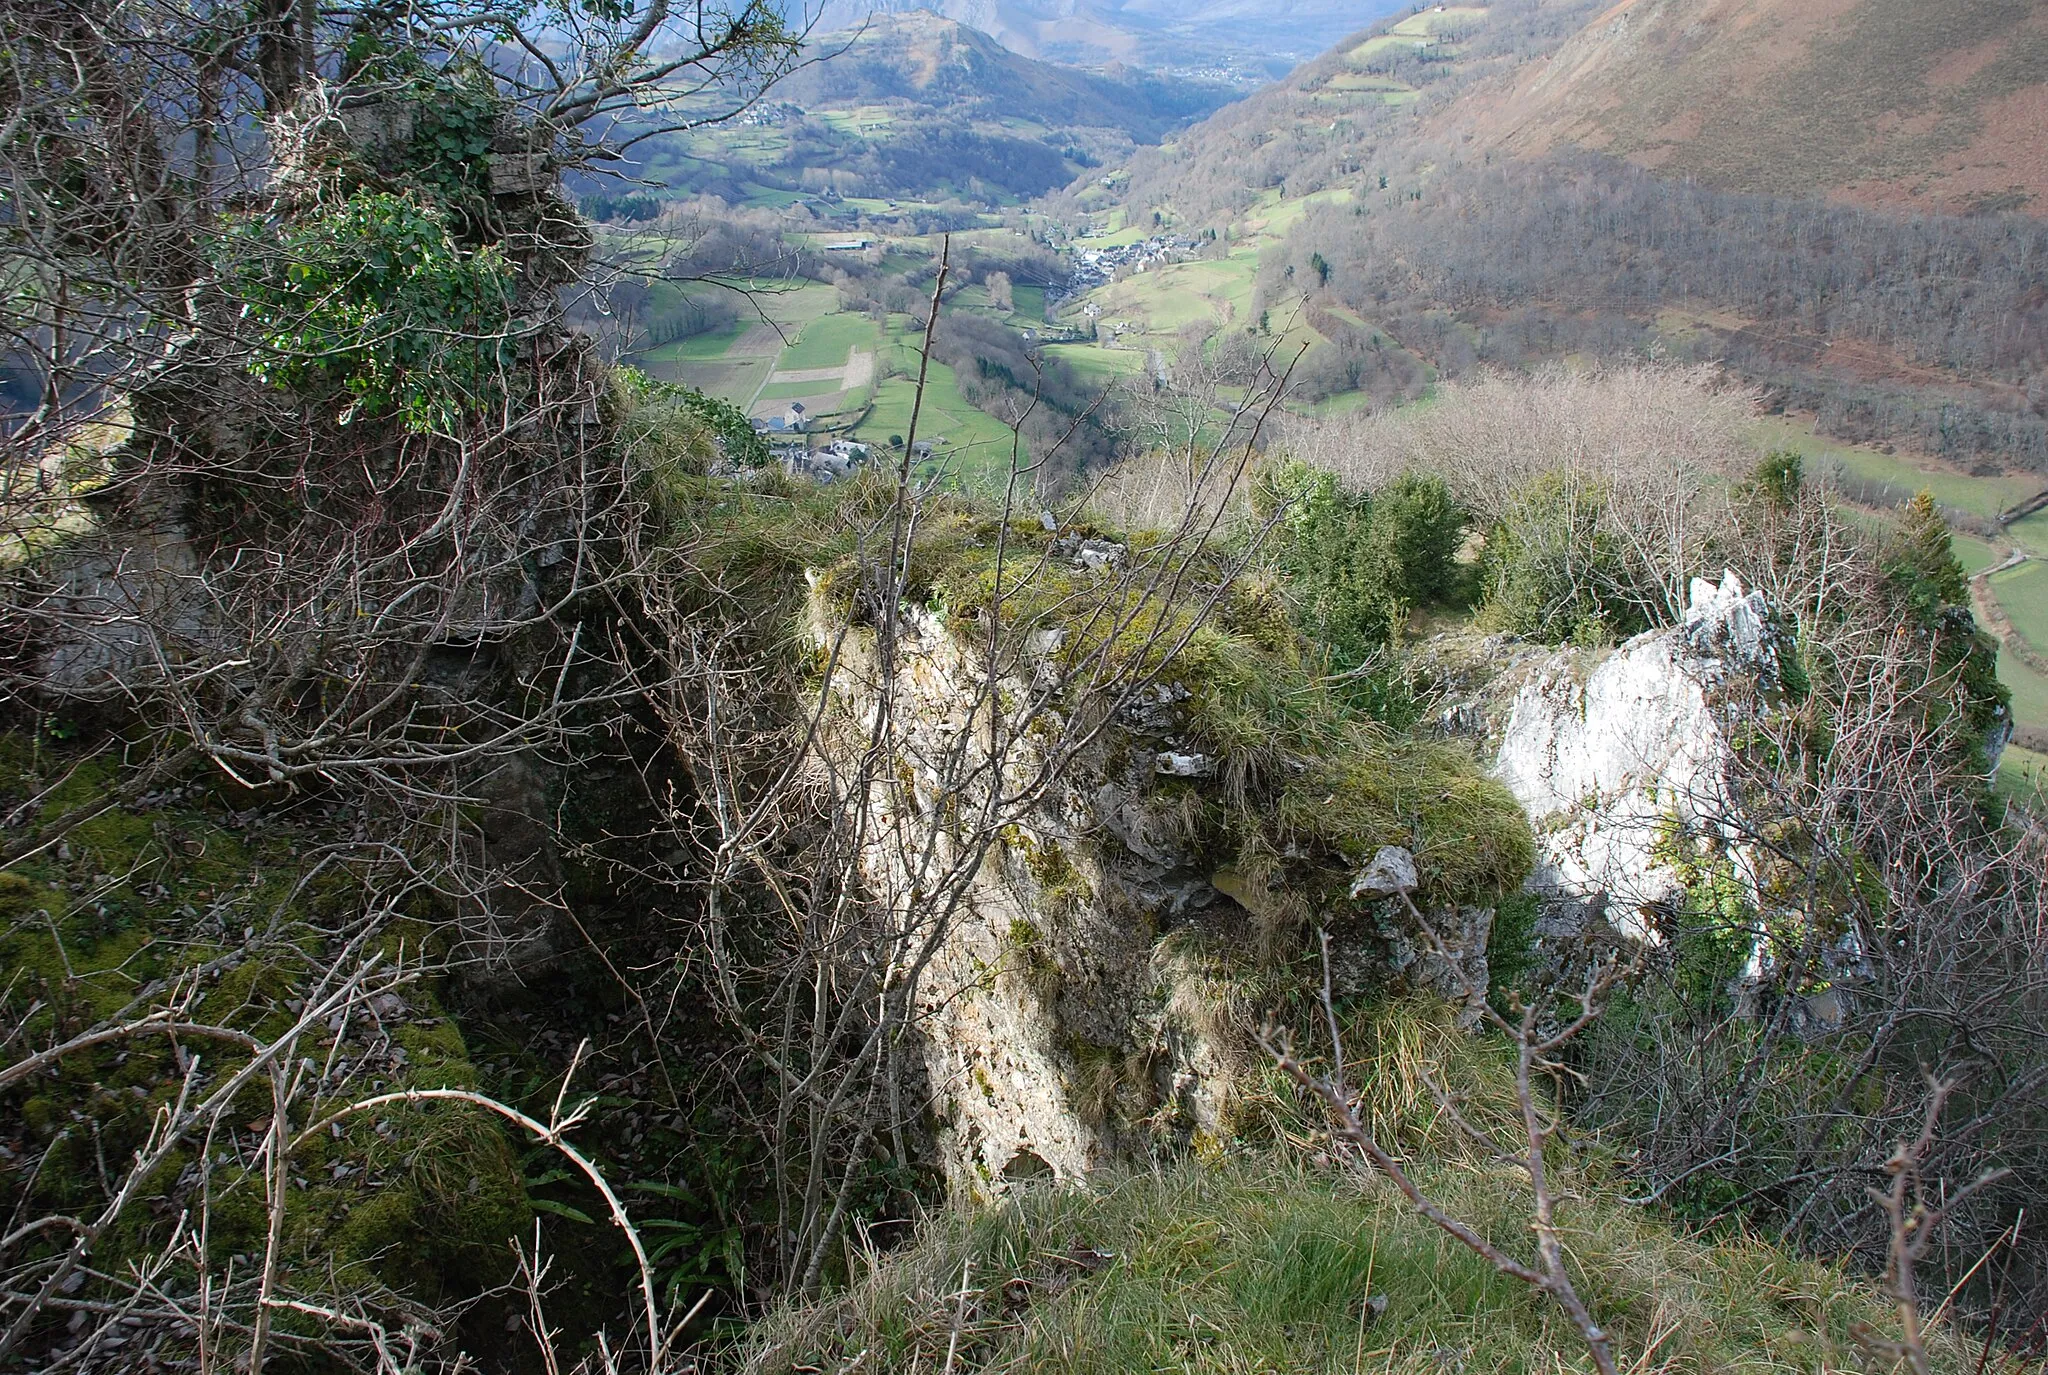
(1218, 268)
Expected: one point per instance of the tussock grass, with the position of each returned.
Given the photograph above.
(1251, 1260)
(1264, 1265)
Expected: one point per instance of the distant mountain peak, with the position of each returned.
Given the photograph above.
(1253, 39)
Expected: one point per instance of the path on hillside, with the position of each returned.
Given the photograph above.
(860, 369)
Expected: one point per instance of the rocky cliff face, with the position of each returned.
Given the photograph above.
(1612, 754)
(1058, 1019)
(1091, 997)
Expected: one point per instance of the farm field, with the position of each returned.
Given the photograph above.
(1975, 554)
(737, 363)
(838, 364)
(1979, 496)
(2023, 774)
(700, 348)
(826, 341)
(972, 447)
(1098, 366)
(2030, 534)
(2023, 592)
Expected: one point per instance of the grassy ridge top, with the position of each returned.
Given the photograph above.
(1260, 1265)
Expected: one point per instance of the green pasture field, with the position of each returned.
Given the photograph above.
(1156, 303)
(2023, 775)
(2023, 592)
(1166, 298)
(2031, 534)
(1274, 217)
(755, 144)
(667, 168)
(977, 446)
(1344, 96)
(761, 197)
(1373, 47)
(699, 348)
(973, 297)
(1344, 403)
(2029, 691)
(789, 304)
(825, 341)
(1098, 367)
(1364, 81)
(1030, 303)
(1975, 554)
(735, 363)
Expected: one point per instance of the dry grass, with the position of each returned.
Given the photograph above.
(1158, 490)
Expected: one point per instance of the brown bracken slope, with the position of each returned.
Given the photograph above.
(1940, 107)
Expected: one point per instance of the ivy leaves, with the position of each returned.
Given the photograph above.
(373, 299)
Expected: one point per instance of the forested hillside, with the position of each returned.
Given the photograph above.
(915, 108)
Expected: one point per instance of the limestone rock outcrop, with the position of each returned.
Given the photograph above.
(1091, 996)
(1612, 754)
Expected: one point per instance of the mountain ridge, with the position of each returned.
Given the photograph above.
(925, 58)
(1256, 38)
(1887, 103)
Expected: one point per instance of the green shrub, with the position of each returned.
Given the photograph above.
(1551, 570)
(1780, 476)
(1354, 563)
(373, 298)
(1323, 547)
(1416, 530)
(1921, 558)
